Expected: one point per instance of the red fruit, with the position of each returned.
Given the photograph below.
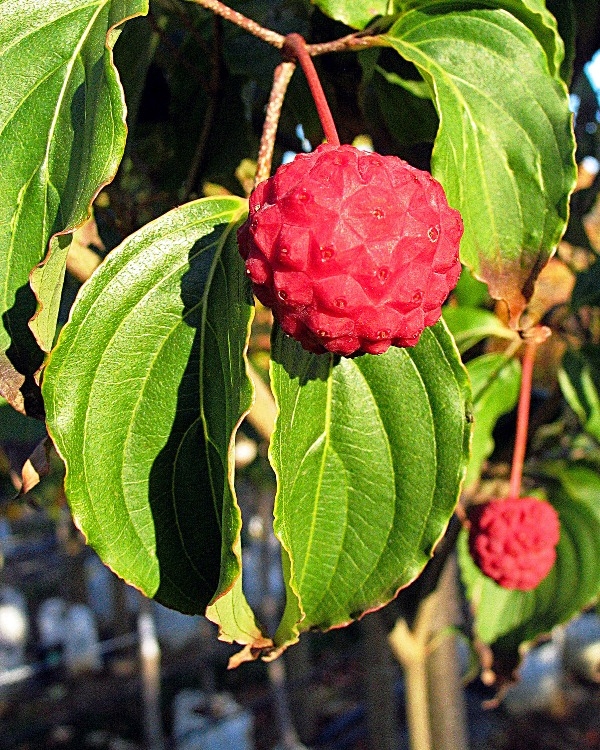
(513, 541)
(353, 251)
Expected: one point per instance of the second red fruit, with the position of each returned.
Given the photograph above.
(513, 541)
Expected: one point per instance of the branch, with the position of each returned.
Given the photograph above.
(271, 37)
(358, 40)
(410, 648)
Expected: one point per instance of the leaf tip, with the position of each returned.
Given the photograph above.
(260, 647)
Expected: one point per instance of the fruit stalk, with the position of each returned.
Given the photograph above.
(281, 79)
(294, 48)
(516, 474)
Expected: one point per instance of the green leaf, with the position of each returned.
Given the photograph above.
(504, 151)
(369, 453)
(419, 121)
(236, 621)
(469, 291)
(495, 383)
(355, 13)
(579, 379)
(145, 390)
(508, 618)
(133, 56)
(417, 88)
(47, 281)
(62, 129)
(531, 13)
(564, 13)
(392, 89)
(470, 325)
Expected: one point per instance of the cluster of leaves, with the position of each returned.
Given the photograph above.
(146, 385)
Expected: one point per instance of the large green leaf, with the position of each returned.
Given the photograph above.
(508, 618)
(495, 383)
(369, 454)
(62, 132)
(145, 390)
(531, 13)
(504, 150)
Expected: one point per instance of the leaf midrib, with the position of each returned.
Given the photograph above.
(42, 167)
(68, 70)
(325, 436)
(203, 326)
(18, 38)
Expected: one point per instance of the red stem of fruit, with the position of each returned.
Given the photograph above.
(516, 473)
(294, 48)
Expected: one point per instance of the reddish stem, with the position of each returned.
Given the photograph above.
(516, 473)
(294, 48)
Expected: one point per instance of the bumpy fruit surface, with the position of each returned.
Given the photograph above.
(353, 251)
(513, 541)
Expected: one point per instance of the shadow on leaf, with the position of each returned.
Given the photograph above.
(195, 514)
(181, 487)
(297, 362)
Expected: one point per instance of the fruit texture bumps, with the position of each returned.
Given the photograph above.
(353, 251)
(513, 541)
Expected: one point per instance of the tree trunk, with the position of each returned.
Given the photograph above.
(446, 695)
(380, 675)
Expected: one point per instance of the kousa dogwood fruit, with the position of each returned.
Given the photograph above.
(513, 541)
(352, 251)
